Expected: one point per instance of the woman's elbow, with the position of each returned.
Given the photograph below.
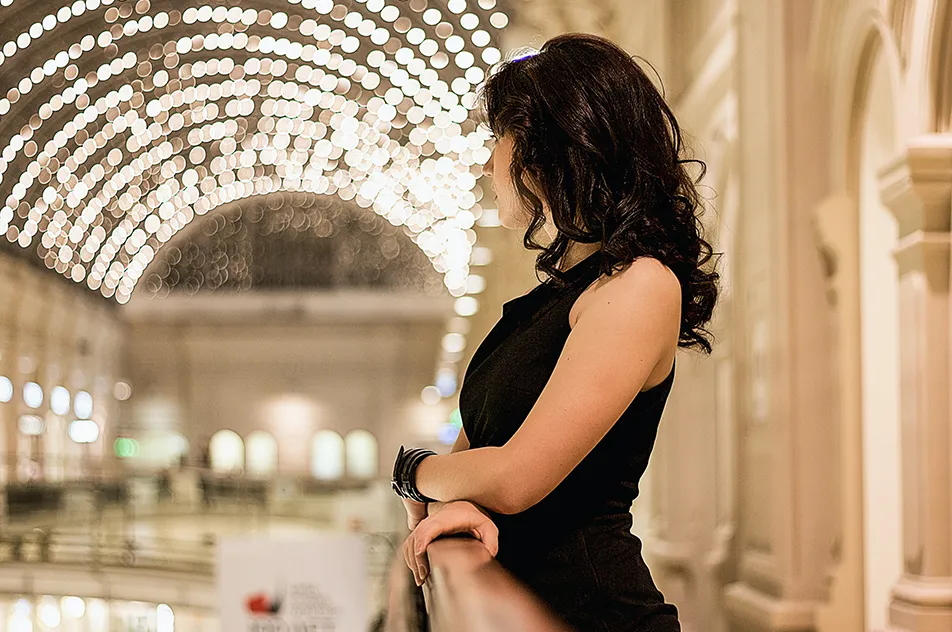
(507, 506)
(513, 489)
(511, 499)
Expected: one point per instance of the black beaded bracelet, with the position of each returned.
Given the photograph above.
(404, 473)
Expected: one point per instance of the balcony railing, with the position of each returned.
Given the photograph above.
(466, 591)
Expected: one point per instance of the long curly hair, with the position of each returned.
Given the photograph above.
(594, 139)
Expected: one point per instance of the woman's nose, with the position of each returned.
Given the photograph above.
(488, 167)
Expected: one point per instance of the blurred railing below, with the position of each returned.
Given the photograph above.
(356, 505)
(466, 591)
(97, 549)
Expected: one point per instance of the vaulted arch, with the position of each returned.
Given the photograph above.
(847, 39)
(298, 241)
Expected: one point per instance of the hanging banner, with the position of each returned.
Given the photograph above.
(310, 585)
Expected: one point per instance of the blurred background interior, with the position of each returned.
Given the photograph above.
(246, 252)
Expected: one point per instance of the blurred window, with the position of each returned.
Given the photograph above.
(361, 454)
(327, 455)
(227, 451)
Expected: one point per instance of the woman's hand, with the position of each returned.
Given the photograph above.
(450, 518)
(416, 512)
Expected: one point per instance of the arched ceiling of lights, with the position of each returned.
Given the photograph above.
(290, 241)
(124, 120)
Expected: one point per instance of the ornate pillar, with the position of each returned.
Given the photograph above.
(786, 416)
(918, 189)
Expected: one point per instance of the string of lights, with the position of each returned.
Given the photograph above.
(137, 117)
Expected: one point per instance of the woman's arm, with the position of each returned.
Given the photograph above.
(462, 442)
(428, 509)
(629, 324)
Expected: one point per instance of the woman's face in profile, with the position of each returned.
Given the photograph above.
(511, 213)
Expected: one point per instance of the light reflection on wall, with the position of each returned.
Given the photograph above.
(292, 419)
(261, 454)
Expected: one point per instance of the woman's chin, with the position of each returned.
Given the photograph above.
(510, 222)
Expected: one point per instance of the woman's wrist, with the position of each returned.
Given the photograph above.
(433, 507)
(405, 471)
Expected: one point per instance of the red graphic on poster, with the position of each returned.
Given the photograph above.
(261, 604)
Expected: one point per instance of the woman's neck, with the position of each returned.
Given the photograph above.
(577, 252)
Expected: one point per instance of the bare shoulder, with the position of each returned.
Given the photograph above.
(645, 286)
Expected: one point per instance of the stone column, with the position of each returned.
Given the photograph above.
(918, 189)
(787, 422)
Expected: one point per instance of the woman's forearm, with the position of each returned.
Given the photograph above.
(480, 475)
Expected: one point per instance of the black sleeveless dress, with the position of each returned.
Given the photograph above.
(574, 548)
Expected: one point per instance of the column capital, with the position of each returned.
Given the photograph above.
(917, 186)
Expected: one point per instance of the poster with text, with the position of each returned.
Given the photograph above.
(317, 584)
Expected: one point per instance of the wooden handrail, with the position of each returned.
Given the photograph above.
(406, 611)
(468, 591)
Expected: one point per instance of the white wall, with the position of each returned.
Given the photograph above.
(205, 364)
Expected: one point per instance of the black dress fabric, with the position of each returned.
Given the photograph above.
(575, 548)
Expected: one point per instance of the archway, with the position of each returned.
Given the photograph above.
(289, 241)
(327, 455)
(361, 448)
(227, 452)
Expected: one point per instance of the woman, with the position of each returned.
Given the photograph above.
(562, 400)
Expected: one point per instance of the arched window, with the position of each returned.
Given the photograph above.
(361, 454)
(176, 448)
(227, 451)
(261, 458)
(327, 455)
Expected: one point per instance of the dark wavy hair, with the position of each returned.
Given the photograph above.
(595, 139)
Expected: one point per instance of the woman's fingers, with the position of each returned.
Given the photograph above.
(403, 549)
(409, 558)
(416, 561)
(426, 532)
(488, 534)
(446, 523)
(423, 566)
